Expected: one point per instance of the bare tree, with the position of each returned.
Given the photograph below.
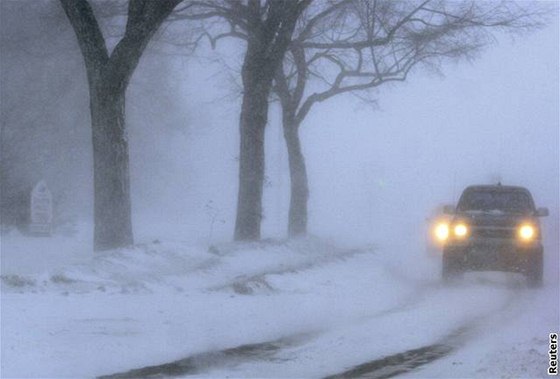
(267, 27)
(108, 77)
(360, 45)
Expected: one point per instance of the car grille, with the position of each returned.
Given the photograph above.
(505, 233)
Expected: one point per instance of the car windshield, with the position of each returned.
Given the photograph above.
(492, 200)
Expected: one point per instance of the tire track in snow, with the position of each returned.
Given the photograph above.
(395, 364)
(202, 362)
(409, 360)
(406, 361)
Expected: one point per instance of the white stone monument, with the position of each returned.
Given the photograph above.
(41, 210)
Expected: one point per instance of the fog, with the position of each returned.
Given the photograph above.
(378, 168)
(376, 171)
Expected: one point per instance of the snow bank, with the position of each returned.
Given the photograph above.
(84, 315)
(156, 302)
(164, 266)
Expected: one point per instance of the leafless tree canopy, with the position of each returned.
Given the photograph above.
(355, 45)
(352, 46)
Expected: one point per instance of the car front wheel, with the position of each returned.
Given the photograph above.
(534, 269)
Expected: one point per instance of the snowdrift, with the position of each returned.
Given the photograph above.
(323, 308)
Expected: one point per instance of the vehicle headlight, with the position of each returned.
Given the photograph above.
(460, 230)
(526, 232)
(441, 231)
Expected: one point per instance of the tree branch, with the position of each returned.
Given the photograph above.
(89, 35)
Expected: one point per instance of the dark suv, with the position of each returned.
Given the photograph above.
(494, 227)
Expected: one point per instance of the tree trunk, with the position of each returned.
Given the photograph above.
(267, 43)
(299, 189)
(254, 114)
(112, 209)
(108, 77)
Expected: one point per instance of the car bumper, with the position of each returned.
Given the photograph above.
(494, 255)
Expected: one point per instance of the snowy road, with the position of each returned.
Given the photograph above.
(256, 360)
(298, 309)
(383, 344)
(277, 356)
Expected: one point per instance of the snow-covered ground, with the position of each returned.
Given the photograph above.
(67, 312)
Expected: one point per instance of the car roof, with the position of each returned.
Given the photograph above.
(495, 187)
(498, 188)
